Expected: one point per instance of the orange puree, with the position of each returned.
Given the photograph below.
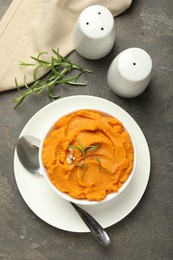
(107, 158)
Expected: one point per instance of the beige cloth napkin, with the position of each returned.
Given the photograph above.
(30, 27)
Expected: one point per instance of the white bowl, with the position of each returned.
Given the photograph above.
(85, 201)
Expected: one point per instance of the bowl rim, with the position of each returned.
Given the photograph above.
(86, 202)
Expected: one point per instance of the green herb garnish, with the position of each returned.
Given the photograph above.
(86, 149)
(84, 167)
(59, 67)
(100, 168)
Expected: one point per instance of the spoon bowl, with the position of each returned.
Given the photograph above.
(24, 148)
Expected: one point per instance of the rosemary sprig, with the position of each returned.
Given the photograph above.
(100, 168)
(84, 167)
(59, 67)
(86, 149)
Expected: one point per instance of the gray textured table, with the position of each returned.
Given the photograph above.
(147, 232)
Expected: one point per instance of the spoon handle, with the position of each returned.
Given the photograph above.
(96, 229)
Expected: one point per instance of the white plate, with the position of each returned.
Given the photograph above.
(48, 205)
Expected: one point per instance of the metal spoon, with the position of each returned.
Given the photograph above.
(27, 150)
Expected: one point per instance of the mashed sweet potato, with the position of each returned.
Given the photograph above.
(88, 155)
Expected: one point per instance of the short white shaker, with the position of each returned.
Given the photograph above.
(130, 72)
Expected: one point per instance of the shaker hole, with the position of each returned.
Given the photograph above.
(134, 63)
(102, 28)
(99, 13)
(87, 23)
